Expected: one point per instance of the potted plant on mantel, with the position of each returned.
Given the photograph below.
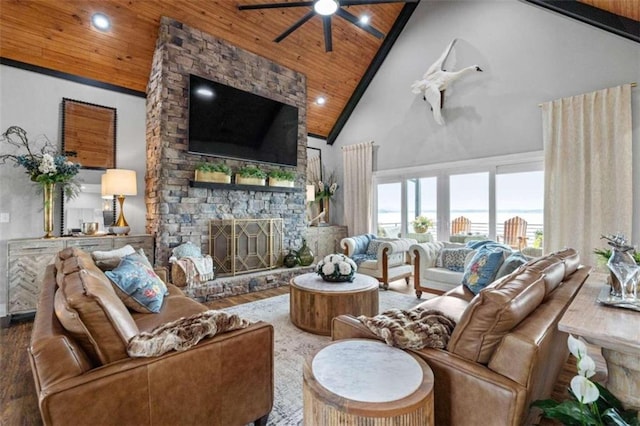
(250, 175)
(282, 178)
(213, 172)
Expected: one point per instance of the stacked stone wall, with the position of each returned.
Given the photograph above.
(177, 212)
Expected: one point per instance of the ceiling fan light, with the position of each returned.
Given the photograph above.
(325, 7)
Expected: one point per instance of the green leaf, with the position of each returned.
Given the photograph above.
(609, 399)
(571, 413)
(612, 417)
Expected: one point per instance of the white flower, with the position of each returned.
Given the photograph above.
(584, 390)
(344, 268)
(333, 188)
(328, 268)
(352, 263)
(327, 258)
(320, 186)
(586, 366)
(47, 165)
(576, 347)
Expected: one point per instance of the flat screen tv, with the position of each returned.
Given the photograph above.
(232, 123)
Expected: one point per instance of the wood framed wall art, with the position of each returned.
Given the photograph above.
(89, 131)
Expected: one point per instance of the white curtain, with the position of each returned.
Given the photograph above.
(588, 170)
(314, 168)
(358, 171)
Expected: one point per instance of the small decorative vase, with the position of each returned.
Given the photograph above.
(290, 260)
(305, 255)
(47, 192)
(419, 229)
(325, 209)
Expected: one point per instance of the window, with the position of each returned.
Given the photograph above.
(486, 191)
(469, 198)
(389, 217)
(521, 194)
(422, 200)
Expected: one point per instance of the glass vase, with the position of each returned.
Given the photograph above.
(305, 255)
(47, 193)
(624, 267)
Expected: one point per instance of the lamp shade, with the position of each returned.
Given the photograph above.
(311, 193)
(119, 182)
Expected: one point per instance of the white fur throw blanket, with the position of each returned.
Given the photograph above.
(414, 329)
(183, 333)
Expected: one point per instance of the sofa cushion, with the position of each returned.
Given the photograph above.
(137, 285)
(552, 268)
(361, 242)
(90, 310)
(482, 268)
(372, 248)
(442, 275)
(510, 264)
(454, 307)
(110, 259)
(453, 259)
(571, 259)
(494, 312)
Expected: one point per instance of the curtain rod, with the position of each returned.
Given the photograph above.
(631, 84)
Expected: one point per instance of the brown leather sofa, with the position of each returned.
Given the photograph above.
(505, 351)
(83, 375)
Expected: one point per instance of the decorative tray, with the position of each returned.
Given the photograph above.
(606, 299)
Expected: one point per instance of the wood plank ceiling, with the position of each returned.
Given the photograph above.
(57, 34)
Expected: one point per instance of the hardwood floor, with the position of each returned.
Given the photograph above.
(17, 393)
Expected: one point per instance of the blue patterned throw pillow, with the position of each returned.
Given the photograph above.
(137, 285)
(483, 267)
(372, 248)
(453, 259)
(187, 249)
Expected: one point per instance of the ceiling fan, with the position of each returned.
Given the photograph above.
(325, 9)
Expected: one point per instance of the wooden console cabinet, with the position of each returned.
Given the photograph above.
(28, 259)
(325, 240)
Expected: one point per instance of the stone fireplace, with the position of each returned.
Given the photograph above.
(177, 211)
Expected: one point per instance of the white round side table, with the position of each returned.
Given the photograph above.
(366, 382)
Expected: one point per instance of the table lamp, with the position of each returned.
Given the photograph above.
(119, 183)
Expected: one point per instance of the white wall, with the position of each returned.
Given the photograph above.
(32, 101)
(529, 55)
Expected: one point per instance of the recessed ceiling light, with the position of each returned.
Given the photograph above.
(320, 100)
(325, 7)
(101, 21)
(364, 19)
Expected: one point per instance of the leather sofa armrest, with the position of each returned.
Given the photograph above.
(239, 362)
(162, 272)
(461, 386)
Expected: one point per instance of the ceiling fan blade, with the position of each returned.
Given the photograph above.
(360, 2)
(295, 26)
(275, 5)
(355, 21)
(328, 42)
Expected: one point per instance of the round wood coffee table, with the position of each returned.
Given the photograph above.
(366, 382)
(315, 302)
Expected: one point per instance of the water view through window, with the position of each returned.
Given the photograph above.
(516, 194)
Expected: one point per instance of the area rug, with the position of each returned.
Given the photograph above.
(292, 345)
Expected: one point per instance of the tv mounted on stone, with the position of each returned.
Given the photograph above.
(233, 123)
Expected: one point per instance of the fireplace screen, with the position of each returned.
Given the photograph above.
(245, 245)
